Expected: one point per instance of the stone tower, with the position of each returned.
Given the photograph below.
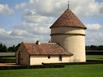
(69, 32)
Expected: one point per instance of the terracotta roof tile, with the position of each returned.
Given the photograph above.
(68, 19)
(45, 49)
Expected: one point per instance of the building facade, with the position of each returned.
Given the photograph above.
(38, 54)
(67, 44)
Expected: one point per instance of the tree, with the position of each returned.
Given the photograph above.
(93, 47)
(3, 48)
(100, 47)
(12, 48)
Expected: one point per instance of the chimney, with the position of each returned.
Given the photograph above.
(49, 41)
(37, 42)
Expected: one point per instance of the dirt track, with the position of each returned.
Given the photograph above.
(7, 64)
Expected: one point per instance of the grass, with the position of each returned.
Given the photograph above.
(95, 70)
(76, 70)
(7, 59)
(94, 57)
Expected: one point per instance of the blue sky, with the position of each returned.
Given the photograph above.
(8, 21)
(29, 20)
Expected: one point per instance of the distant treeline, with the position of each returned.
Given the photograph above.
(94, 47)
(4, 48)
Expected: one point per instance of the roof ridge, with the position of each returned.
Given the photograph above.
(48, 43)
(40, 43)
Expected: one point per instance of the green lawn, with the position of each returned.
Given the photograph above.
(94, 70)
(75, 70)
(7, 59)
(94, 57)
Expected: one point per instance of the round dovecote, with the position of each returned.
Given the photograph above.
(69, 32)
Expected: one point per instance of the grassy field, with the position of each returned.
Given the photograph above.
(94, 57)
(94, 70)
(7, 59)
(75, 70)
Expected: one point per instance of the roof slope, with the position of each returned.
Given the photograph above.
(68, 19)
(45, 49)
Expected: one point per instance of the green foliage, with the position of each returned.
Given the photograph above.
(3, 48)
(94, 47)
(13, 48)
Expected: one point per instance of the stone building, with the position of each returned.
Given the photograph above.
(67, 43)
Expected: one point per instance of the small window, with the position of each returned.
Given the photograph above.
(60, 58)
(48, 57)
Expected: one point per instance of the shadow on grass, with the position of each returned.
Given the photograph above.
(33, 67)
(95, 61)
(51, 65)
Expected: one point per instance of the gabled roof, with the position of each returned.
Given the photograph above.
(68, 19)
(45, 49)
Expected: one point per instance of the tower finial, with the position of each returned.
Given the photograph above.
(68, 4)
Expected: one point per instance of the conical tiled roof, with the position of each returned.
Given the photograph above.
(68, 19)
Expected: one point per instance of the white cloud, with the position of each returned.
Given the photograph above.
(31, 32)
(20, 35)
(5, 9)
(4, 32)
(94, 26)
(38, 15)
(45, 7)
(87, 7)
(56, 7)
(18, 32)
(43, 13)
(36, 29)
(35, 18)
(94, 34)
(94, 38)
(6, 38)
